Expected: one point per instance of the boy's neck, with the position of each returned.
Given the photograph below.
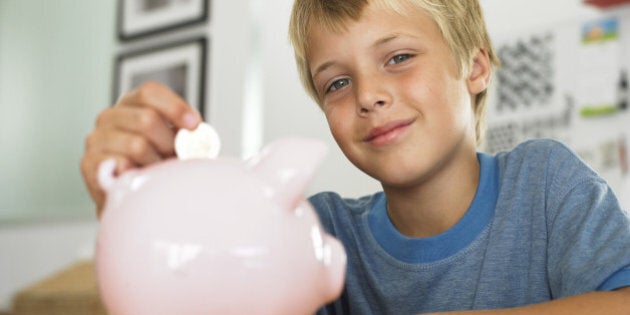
(436, 205)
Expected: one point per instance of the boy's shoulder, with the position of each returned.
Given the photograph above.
(547, 153)
(331, 199)
(341, 215)
(539, 148)
(545, 158)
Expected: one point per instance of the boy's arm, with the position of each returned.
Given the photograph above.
(605, 303)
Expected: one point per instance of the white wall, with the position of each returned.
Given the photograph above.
(54, 78)
(51, 87)
(29, 252)
(515, 16)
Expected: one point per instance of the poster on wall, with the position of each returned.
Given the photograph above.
(603, 84)
(138, 18)
(602, 99)
(180, 66)
(528, 99)
(567, 82)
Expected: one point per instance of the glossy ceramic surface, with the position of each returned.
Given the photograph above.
(218, 236)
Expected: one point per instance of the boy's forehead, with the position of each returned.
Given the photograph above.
(375, 26)
(340, 24)
(323, 38)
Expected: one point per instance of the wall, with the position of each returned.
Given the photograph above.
(557, 80)
(51, 87)
(55, 68)
(35, 248)
(515, 16)
(250, 60)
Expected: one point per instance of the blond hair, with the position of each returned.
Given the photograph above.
(460, 21)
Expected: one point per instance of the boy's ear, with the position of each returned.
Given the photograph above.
(480, 73)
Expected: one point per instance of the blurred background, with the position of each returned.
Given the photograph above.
(63, 61)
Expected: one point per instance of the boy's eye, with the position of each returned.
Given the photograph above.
(338, 84)
(398, 59)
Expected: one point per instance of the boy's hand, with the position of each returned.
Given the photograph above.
(137, 131)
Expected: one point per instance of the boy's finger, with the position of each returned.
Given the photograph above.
(137, 148)
(170, 105)
(143, 121)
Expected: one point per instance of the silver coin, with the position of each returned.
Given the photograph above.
(203, 142)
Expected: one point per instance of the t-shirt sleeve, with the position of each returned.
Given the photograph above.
(618, 280)
(324, 205)
(589, 232)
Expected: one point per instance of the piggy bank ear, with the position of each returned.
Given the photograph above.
(287, 166)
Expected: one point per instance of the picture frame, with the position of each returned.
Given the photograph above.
(139, 18)
(180, 65)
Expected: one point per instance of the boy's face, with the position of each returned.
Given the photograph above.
(393, 97)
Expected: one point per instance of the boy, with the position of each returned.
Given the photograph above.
(402, 84)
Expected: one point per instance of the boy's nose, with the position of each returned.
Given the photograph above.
(371, 96)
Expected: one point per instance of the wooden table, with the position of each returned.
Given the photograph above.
(72, 291)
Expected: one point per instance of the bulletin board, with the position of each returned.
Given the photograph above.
(567, 82)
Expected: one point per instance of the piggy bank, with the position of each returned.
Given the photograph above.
(221, 236)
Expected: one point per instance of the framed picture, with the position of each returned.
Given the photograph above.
(180, 66)
(137, 18)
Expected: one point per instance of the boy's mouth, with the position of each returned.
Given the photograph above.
(387, 132)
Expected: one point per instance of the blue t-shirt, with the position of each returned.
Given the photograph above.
(542, 226)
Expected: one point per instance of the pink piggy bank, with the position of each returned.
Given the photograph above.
(217, 236)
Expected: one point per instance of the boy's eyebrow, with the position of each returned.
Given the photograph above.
(384, 40)
(388, 38)
(322, 67)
